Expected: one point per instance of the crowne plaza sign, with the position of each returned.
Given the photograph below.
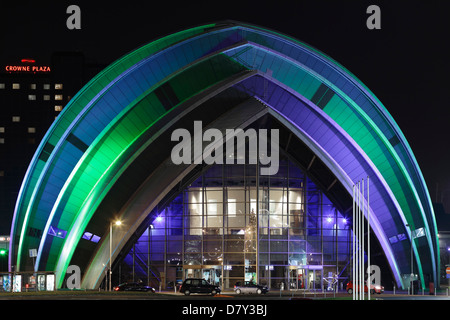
(27, 68)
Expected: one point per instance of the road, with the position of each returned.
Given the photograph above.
(169, 295)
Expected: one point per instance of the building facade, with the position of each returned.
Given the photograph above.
(210, 230)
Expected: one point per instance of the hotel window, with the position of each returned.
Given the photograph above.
(46, 97)
(58, 108)
(16, 86)
(15, 119)
(58, 96)
(31, 97)
(46, 86)
(31, 130)
(33, 86)
(58, 86)
(2, 86)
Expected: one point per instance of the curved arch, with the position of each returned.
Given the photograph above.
(122, 112)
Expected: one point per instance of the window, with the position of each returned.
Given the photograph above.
(58, 108)
(56, 232)
(2, 140)
(231, 207)
(33, 86)
(31, 97)
(58, 86)
(87, 236)
(58, 96)
(46, 97)
(31, 130)
(393, 239)
(401, 237)
(2, 129)
(46, 86)
(16, 86)
(418, 233)
(2, 86)
(2, 173)
(15, 119)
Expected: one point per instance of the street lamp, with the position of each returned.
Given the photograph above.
(117, 223)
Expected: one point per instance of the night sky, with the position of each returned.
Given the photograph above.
(405, 64)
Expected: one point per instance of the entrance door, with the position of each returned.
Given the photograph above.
(212, 275)
(315, 279)
(293, 283)
(312, 279)
(208, 275)
(301, 278)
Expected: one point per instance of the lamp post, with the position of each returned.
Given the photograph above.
(117, 223)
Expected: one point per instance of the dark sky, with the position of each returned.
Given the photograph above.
(405, 64)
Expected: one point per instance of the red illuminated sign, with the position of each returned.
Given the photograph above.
(31, 69)
(28, 67)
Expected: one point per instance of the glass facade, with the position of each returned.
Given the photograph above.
(210, 230)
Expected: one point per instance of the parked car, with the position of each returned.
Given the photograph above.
(250, 287)
(134, 286)
(373, 288)
(194, 285)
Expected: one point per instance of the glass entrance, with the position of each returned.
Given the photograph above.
(212, 275)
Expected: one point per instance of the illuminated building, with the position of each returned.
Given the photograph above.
(32, 95)
(107, 157)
